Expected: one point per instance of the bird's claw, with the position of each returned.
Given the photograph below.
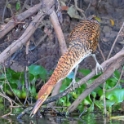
(98, 68)
(72, 84)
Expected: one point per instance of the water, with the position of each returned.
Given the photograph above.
(91, 118)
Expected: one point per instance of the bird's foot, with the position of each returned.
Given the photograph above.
(98, 67)
(72, 84)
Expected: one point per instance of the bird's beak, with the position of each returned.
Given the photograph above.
(36, 107)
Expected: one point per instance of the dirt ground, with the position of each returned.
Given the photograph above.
(111, 13)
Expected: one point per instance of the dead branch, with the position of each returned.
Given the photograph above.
(59, 33)
(11, 24)
(101, 79)
(23, 39)
(115, 40)
(47, 9)
(106, 65)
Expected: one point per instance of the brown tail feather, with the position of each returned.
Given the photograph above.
(42, 95)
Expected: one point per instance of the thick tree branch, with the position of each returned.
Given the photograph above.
(47, 8)
(59, 33)
(101, 79)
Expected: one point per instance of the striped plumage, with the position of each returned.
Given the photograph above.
(83, 41)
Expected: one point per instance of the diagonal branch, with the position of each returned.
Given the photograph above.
(23, 39)
(106, 65)
(47, 8)
(100, 80)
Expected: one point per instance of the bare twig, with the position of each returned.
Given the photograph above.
(11, 104)
(101, 52)
(10, 86)
(23, 7)
(80, 10)
(26, 73)
(4, 10)
(104, 99)
(88, 6)
(24, 112)
(115, 40)
(46, 10)
(117, 84)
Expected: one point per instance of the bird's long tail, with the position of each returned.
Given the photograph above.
(42, 95)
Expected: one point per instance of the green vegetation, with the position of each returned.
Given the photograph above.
(18, 5)
(13, 84)
(114, 94)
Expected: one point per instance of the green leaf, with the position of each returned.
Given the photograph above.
(99, 91)
(91, 108)
(14, 76)
(74, 94)
(1, 99)
(116, 95)
(99, 104)
(9, 6)
(109, 103)
(117, 74)
(37, 70)
(17, 110)
(18, 5)
(87, 100)
(2, 77)
(33, 91)
(81, 107)
(17, 93)
(94, 94)
(98, 18)
(65, 83)
(9, 92)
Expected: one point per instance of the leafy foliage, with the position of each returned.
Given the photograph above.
(16, 81)
(114, 95)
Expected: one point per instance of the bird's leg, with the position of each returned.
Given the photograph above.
(73, 80)
(98, 66)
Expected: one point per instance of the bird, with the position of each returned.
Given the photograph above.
(83, 41)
